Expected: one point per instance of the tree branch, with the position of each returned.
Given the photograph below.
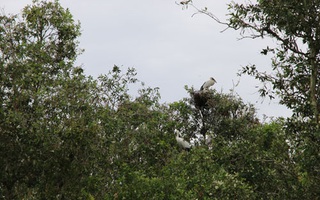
(289, 43)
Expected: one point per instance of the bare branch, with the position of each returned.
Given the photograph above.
(209, 14)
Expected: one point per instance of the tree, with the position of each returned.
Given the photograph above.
(47, 110)
(221, 114)
(295, 27)
(246, 159)
(139, 138)
(65, 135)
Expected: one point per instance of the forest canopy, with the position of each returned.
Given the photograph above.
(67, 135)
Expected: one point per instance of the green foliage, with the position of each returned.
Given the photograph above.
(46, 112)
(294, 25)
(224, 114)
(65, 135)
(197, 175)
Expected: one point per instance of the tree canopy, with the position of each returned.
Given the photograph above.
(294, 25)
(66, 135)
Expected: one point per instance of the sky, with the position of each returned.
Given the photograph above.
(168, 46)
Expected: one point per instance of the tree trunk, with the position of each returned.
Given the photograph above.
(313, 83)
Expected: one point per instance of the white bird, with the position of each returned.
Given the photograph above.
(208, 140)
(184, 144)
(208, 84)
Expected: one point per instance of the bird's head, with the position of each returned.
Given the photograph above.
(214, 80)
(176, 132)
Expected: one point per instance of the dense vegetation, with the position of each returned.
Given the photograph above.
(65, 135)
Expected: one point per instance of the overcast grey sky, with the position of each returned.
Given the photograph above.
(168, 47)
